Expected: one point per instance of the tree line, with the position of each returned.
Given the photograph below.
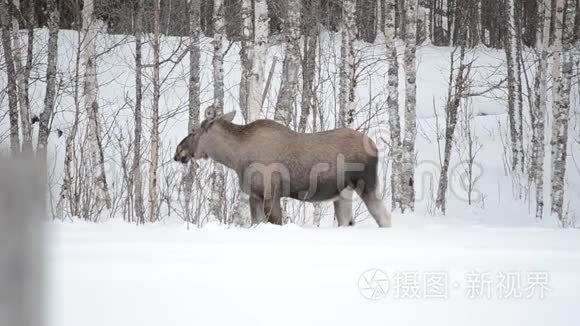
(550, 27)
(438, 21)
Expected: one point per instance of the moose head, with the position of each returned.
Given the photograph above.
(194, 146)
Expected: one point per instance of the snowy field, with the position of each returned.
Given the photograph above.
(119, 274)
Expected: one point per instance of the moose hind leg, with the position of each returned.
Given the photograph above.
(343, 208)
(376, 208)
(273, 210)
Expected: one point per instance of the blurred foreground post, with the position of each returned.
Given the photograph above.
(21, 256)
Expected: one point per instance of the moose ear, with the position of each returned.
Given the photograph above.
(210, 113)
(229, 117)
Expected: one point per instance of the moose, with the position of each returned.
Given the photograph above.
(273, 162)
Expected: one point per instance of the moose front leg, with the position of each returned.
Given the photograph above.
(257, 210)
(343, 208)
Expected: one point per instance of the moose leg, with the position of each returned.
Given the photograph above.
(376, 208)
(257, 210)
(273, 210)
(343, 208)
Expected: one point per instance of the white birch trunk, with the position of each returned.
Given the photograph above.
(410, 116)
(393, 102)
(514, 88)
(424, 14)
(317, 206)
(538, 112)
(562, 74)
(451, 5)
(291, 65)
(290, 69)
(89, 32)
(66, 190)
(218, 200)
(246, 55)
(259, 56)
(218, 59)
(519, 104)
(241, 215)
(346, 97)
(11, 79)
(218, 193)
(308, 102)
(50, 94)
(136, 167)
(316, 214)
(22, 84)
(194, 100)
(154, 158)
(478, 25)
(457, 83)
(309, 62)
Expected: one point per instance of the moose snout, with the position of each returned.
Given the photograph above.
(180, 158)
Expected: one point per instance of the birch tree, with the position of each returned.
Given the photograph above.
(451, 4)
(245, 55)
(259, 55)
(153, 193)
(563, 65)
(137, 179)
(254, 53)
(11, 79)
(346, 97)
(290, 69)
(423, 18)
(50, 94)
(452, 107)
(393, 102)
(89, 33)
(291, 65)
(515, 104)
(194, 90)
(538, 112)
(67, 193)
(311, 33)
(241, 214)
(410, 116)
(519, 107)
(218, 59)
(477, 30)
(22, 82)
(218, 175)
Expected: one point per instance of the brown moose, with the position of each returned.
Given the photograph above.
(273, 162)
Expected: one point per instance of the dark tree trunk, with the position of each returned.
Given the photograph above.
(11, 76)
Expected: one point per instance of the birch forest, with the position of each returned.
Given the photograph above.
(474, 105)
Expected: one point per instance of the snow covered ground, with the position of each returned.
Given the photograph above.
(120, 274)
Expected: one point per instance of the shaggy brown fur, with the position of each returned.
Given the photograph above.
(273, 161)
